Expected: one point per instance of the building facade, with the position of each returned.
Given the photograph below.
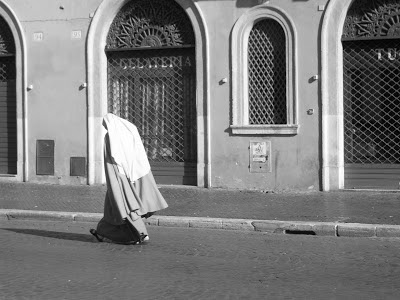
(248, 94)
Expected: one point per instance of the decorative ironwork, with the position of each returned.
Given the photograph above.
(150, 23)
(267, 73)
(7, 45)
(371, 102)
(7, 69)
(155, 90)
(372, 19)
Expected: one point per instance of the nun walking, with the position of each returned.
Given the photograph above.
(132, 193)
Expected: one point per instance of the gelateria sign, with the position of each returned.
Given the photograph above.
(156, 62)
(387, 54)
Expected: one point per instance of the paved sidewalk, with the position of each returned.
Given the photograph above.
(354, 213)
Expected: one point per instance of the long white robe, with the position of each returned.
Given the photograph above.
(126, 201)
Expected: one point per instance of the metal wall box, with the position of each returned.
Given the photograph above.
(44, 157)
(260, 156)
(78, 166)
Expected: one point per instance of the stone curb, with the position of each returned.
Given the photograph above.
(267, 226)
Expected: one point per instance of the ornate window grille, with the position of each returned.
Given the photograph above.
(267, 74)
(144, 24)
(7, 45)
(264, 76)
(375, 19)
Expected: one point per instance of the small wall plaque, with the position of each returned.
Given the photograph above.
(76, 34)
(38, 36)
(260, 156)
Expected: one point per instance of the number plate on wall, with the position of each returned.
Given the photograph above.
(260, 156)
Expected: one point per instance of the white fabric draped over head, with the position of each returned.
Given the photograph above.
(126, 147)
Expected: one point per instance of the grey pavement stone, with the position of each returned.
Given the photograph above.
(153, 221)
(327, 229)
(40, 215)
(286, 226)
(270, 226)
(365, 207)
(267, 226)
(87, 217)
(356, 230)
(173, 222)
(237, 224)
(3, 216)
(206, 223)
(388, 231)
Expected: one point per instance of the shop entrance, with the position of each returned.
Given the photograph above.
(8, 105)
(152, 83)
(371, 101)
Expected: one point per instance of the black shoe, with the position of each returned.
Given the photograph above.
(94, 232)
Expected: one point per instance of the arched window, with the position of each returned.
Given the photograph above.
(263, 74)
(267, 73)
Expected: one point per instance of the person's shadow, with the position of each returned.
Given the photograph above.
(88, 238)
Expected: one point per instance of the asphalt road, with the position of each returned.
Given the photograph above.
(55, 260)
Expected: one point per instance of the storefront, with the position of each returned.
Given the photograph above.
(366, 109)
(152, 83)
(268, 95)
(150, 70)
(12, 96)
(8, 102)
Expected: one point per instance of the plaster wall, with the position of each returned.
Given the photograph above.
(56, 106)
(295, 159)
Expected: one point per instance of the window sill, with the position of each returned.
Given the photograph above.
(265, 129)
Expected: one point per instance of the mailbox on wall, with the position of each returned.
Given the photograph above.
(260, 156)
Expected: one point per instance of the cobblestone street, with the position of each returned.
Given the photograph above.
(54, 260)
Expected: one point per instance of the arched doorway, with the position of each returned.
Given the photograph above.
(371, 95)
(151, 75)
(8, 103)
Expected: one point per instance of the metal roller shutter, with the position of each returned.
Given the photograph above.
(8, 118)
